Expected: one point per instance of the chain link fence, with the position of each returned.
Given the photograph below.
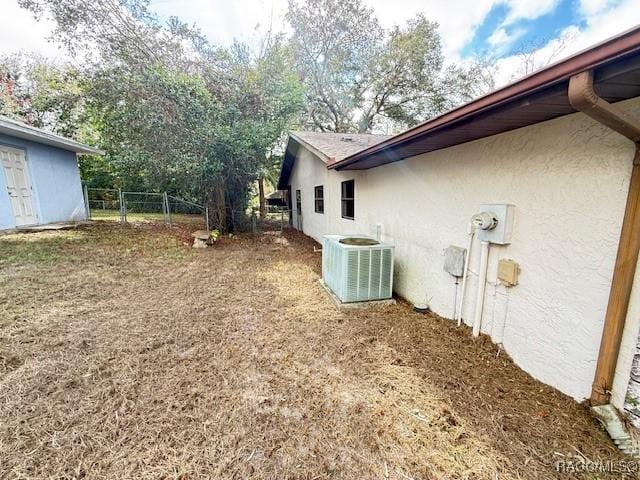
(119, 205)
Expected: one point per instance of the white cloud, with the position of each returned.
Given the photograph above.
(528, 9)
(19, 31)
(458, 19)
(501, 39)
(604, 24)
(498, 37)
(505, 35)
(592, 7)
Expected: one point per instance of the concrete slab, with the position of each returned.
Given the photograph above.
(44, 228)
(50, 226)
(356, 305)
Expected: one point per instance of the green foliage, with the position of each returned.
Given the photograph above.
(172, 112)
(41, 93)
(156, 126)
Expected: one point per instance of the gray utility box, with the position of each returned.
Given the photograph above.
(454, 260)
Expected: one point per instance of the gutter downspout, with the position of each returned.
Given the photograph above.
(584, 99)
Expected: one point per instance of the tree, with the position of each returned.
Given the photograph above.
(357, 74)
(262, 98)
(540, 52)
(173, 112)
(333, 42)
(155, 126)
(41, 93)
(109, 31)
(470, 81)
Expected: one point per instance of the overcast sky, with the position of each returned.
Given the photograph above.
(468, 27)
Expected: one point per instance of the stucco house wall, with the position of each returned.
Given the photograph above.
(568, 179)
(309, 172)
(55, 178)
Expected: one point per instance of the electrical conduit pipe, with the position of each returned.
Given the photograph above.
(482, 283)
(471, 233)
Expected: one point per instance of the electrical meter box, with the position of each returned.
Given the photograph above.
(501, 234)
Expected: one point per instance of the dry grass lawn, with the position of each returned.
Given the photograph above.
(126, 354)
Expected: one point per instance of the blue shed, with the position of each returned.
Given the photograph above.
(40, 179)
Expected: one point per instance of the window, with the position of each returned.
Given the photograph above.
(319, 198)
(348, 199)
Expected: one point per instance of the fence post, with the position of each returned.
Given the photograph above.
(166, 201)
(123, 208)
(87, 208)
(206, 217)
(281, 219)
(164, 207)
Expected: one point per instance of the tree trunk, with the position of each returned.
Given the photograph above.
(216, 200)
(263, 201)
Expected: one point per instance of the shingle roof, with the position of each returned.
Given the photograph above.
(327, 146)
(336, 146)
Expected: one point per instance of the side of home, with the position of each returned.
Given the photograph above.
(316, 196)
(568, 178)
(40, 179)
(569, 192)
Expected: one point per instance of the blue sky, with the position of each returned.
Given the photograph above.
(500, 28)
(523, 32)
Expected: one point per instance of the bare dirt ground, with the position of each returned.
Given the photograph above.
(126, 354)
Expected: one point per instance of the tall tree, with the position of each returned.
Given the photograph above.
(43, 94)
(357, 74)
(172, 111)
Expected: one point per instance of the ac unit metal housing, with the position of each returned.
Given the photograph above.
(357, 273)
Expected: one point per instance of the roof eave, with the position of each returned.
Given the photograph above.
(323, 156)
(607, 51)
(282, 181)
(34, 135)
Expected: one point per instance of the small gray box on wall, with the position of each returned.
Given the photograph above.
(454, 260)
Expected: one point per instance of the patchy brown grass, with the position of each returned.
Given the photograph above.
(126, 354)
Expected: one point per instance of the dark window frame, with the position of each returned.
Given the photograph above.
(348, 202)
(318, 200)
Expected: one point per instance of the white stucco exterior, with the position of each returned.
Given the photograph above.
(568, 179)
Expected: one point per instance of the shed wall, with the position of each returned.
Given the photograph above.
(568, 179)
(55, 178)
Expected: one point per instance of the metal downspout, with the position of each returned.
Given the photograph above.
(583, 98)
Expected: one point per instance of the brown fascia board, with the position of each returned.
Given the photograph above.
(609, 50)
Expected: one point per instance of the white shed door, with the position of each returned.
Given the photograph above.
(16, 175)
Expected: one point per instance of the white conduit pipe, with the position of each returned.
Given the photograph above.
(482, 282)
(471, 232)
